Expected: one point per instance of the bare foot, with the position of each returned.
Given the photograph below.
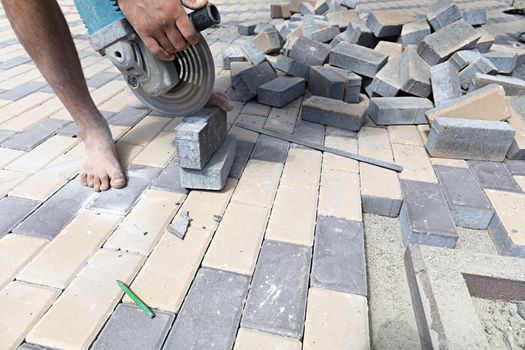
(101, 169)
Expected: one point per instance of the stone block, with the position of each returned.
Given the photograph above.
(399, 110)
(341, 37)
(268, 42)
(389, 48)
(334, 113)
(480, 66)
(214, 175)
(255, 56)
(440, 45)
(211, 311)
(485, 41)
(34, 135)
(511, 86)
(463, 58)
(277, 301)
(494, 176)
(169, 179)
(415, 73)
(388, 23)
(442, 13)
(520, 51)
(475, 17)
(292, 67)
(516, 167)
(309, 52)
(321, 7)
(129, 327)
(269, 149)
(468, 204)
(280, 11)
(358, 59)
(352, 84)
(306, 8)
(505, 62)
(199, 136)
(339, 256)
(517, 121)
(487, 103)
(470, 139)
(359, 34)
(445, 83)
(237, 67)
(281, 91)
(351, 4)
(413, 33)
(342, 19)
(387, 82)
(232, 54)
(128, 116)
(246, 28)
(14, 210)
(247, 82)
(326, 83)
(325, 35)
(264, 27)
(425, 217)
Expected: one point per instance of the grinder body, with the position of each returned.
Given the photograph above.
(175, 88)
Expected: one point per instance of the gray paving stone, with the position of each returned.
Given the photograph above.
(13, 210)
(505, 62)
(309, 52)
(281, 91)
(69, 130)
(512, 86)
(6, 134)
(334, 113)
(121, 201)
(445, 83)
(130, 328)
(326, 83)
(247, 82)
(494, 176)
(15, 61)
(169, 179)
(269, 41)
(470, 139)
(101, 79)
(480, 66)
(463, 58)
(341, 37)
(468, 204)
(210, 315)
(387, 82)
(277, 300)
(310, 132)
(351, 4)
(232, 54)
(292, 67)
(214, 175)
(475, 17)
(506, 238)
(387, 23)
(486, 40)
(440, 45)
(58, 211)
(35, 135)
(129, 116)
(246, 28)
(414, 73)
(359, 34)
(442, 13)
(425, 217)
(414, 33)
(339, 256)
(270, 150)
(516, 167)
(353, 84)
(22, 90)
(253, 53)
(399, 110)
(325, 35)
(358, 59)
(199, 136)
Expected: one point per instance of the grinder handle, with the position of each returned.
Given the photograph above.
(205, 17)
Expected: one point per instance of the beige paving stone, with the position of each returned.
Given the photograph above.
(167, 274)
(8, 155)
(11, 72)
(170, 127)
(43, 154)
(47, 181)
(22, 306)
(302, 167)
(293, 215)
(62, 114)
(521, 181)
(236, 244)
(282, 119)
(28, 118)
(58, 262)
(143, 226)
(114, 104)
(458, 163)
(15, 252)
(9, 179)
(340, 195)
(258, 183)
(336, 320)
(159, 152)
(24, 104)
(509, 208)
(107, 91)
(405, 135)
(145, 131)
(216, 203)
(415, 162)
(126, 153)
(32, 75)
(80, 312)
(249, 339)
(342, 140)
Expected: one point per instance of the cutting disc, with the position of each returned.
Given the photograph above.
(197, 78)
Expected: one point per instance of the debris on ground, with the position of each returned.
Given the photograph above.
(179, 227)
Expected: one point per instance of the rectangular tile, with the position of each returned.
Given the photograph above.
(494, 176)
(340, 195)
(169, 179)
(270, 150)
(277, 301)
(9, 179)
(282, 119)
(14, 210)
(159, 152)
(5, 134)
(211, 312)
(342, 140)
(248, 339)
(129, 116)
(35, 135)
(415, 162)
(302, 168)
(145, 130)
(245, 142)
(93, 294)
(22, 90)
(9, 155)
(405, 135)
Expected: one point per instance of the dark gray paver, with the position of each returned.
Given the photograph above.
(270, 150)
(325, 82)
(292, 67)
(246, 83)
(6, 134)
(339, 256)
(15, 61)
(309, 52)
(339, 114)
(22, 90)
(210, 315)
(425, 217)
(35, 135)
(277, 299)
(516, 167)
(130, 328)
(169, 179)
(468, 204)
(121, 201)
(358, 59)
(128, 116)
(494, 176)
(13, 210)
(101, 78)
(52, 216)
(310, 132)
(281, 91)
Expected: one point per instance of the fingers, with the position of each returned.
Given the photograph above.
(195, 4)
(187, 30)
(157, 50)
(176, 39)
(221, 100)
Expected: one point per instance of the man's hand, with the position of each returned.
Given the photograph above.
(163, 25)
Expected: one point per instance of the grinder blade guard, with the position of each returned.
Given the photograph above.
(177, 88)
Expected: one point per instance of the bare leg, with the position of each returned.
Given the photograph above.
(43, 31)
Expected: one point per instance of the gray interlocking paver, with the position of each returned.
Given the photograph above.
(6, 134)
(35, 135)
(494, 176)
(310, 132)
(169, 179)
(13, 210)
(100, 79)
(270, 150)
(22, 90)
(128, 116)
(516, 167)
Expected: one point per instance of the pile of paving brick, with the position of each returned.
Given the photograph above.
(388, 67)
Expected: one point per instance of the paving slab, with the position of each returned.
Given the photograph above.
(35, 135)
(399, 110)
(360, 34)
(442, 13)
(334, 113)
(388, 23)
(505, 62)
(358, 59)
(292, 67)
(270, 150)
(14, 210)
(475, 16)
(445, 83)
(481, 66)
(281, 91)
(309, 52)
(414, 73)
(494, 176)
(169, 179)
(128, 116)
(277, 301)
(6, 134)
(326, 83)
(463, 58)
(248, 339)
(210, 315)
(516, 167)
(512, 86)
(413, 33)
(247, 82)
(352, 84)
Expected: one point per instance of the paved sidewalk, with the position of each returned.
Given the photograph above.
(277, 260)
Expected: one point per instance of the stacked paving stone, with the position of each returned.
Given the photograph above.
(205, 150)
